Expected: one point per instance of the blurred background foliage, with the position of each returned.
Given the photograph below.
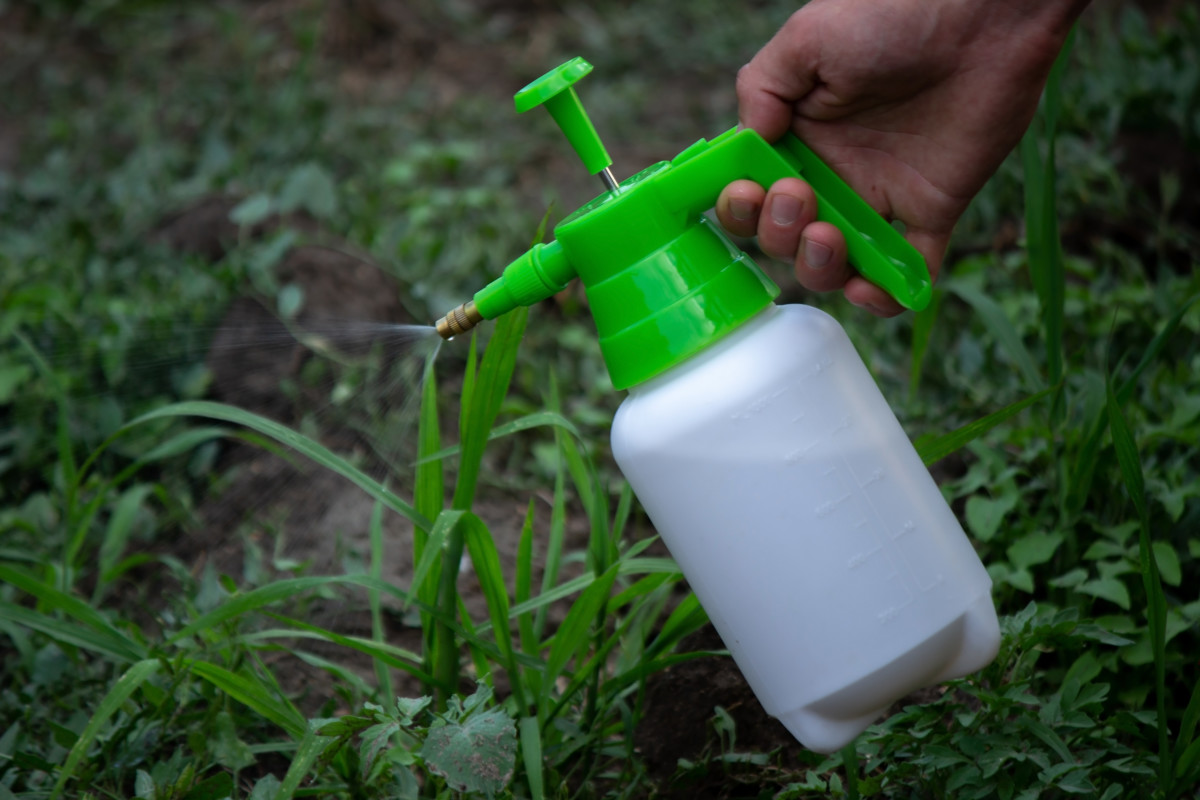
(385, 130)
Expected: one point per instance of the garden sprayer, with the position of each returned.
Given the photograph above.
(753, 434)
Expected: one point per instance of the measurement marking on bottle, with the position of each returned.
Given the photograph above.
(937, 581)
(818, 367)
(874, 477)
(797, 455)
(844, 424)
(891, 612)
(858, 559)
(905, 529)
(825, 509)
(759, 405)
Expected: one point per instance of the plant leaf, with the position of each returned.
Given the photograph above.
(1156, 605)
(477, 755)
(1111, 589)
(984, 514)
(251, 693)
(315, 451)
(490, 388)
(995, 320)
(312, 745)
(934, 449)
(116, 697)
(486, 560)
(111, 639)
(1034, 548)
(531, 756)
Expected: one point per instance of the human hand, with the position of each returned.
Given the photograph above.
(914, 103)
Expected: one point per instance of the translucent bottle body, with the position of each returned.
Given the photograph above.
(807, 525)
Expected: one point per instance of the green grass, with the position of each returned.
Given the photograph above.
(1053, 385)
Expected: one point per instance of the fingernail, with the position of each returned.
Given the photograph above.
(742, 209)
(816, 255)
(785, 209)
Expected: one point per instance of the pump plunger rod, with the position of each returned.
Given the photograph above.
(610, 181)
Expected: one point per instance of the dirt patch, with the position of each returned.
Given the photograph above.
(1156, 167)
(274, 512)
(681, 705)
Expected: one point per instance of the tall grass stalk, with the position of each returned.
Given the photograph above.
(1044, 245)
(1156, 602)
(429, 498)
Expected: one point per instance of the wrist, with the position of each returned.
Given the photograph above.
(1017, 38)
(1053, 18)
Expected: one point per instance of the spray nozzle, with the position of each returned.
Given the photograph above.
(541, 272)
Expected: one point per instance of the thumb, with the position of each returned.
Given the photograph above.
(780, 74)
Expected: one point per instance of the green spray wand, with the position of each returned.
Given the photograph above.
(661, 280)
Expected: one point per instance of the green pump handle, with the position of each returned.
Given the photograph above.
(877, 250)
(662, 282)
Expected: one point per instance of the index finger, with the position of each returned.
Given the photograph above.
(781, 73)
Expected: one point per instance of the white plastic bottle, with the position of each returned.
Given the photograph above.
(806, 524)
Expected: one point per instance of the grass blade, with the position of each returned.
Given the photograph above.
(1081, 477)
(923, 324)
(243, 604)
(252, 694)
(523, 583)
(429, 497)
(531, 756)
(315, 451)
(1155, 348)
(486, 396)
(686, 618)
(538, 419)
(445, 643)
(115, 642)
(575, 630)
(934, 448)
(1186, 754)
(486, 560)
(995, 320)
(425, 571)
(628, 566)
(116, 536)
(374, 599)
(1156, 601)
(96, 641)
(850, 765)
(1041, 217)
(394, 656)
(116, 697)
(554, 546)
(310, 749)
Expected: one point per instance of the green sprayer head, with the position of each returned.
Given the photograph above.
(663, 283)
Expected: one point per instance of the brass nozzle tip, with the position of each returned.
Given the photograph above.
(460, 320)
